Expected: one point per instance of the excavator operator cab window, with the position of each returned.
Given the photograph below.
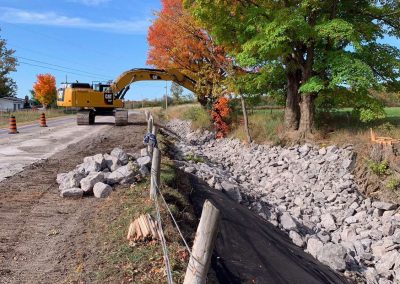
(60, 94)
(101, 87)
(105, 88)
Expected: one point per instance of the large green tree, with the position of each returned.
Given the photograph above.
(176, 92)
(8, 64)
(325, 47)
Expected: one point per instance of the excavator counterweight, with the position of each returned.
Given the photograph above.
(107, 99)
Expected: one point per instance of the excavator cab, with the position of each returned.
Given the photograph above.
(96, 99)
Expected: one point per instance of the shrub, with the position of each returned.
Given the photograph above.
(379, 168)
(393, 183)
(199, 116)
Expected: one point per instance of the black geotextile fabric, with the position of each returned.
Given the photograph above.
(250, 250)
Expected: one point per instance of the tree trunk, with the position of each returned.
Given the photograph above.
(203, 100)
(307, 108)
(292, 109)
(246, 122)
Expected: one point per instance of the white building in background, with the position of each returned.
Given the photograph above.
(11, 104)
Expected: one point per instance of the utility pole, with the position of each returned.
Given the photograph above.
(166, 95)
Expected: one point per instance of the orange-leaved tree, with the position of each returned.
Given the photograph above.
(220, 114)
(45, 89)
(177, 41)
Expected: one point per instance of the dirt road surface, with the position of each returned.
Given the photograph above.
(34, 143)
(44, 238)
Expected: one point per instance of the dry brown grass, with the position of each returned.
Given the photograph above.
(199, 117)
(24, 116)
(264, 126)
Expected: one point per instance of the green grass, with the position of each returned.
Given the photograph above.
(393, 112)
(24, 116)
(344, 121)
(195, 158)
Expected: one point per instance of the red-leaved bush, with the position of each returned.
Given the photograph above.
(220, 115)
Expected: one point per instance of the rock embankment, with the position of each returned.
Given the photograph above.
(307, 191)
(97, 174)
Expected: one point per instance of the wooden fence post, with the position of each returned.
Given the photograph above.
(149, 125)
(155, 173)
(203, 245)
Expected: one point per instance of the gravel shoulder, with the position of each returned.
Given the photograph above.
(47, 239)
(18, 151)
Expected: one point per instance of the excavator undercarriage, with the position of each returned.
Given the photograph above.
(87, 116)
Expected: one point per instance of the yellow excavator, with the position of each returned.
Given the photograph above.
(100, 99)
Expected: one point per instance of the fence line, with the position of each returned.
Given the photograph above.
(200, 255)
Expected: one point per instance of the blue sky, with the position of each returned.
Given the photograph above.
(93, 39)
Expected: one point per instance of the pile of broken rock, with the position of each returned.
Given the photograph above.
(97, 174)
(307, 191)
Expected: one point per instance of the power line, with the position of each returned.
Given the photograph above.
(55, 69)
(55, 65)
(52, 56)
(70, 43)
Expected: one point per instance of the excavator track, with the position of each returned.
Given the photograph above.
(121, 117)
(85, 117)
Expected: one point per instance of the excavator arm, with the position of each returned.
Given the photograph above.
(121, 85)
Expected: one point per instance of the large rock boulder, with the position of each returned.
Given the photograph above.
(92, 164)
(101, 190)
(69, 180)
(384, 205)
(232, 191)
(61, 177)
(389, 261)
(88, 182)
(121, 155)
(74, 192)
(112, 162)
(328, 222)
(287, 222)
(144, 171)
(122, 175)
(296, 238)
(333, 255)
(314, 246)
(144, 161)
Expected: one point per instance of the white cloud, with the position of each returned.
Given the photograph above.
(18, 16)
(90, 2)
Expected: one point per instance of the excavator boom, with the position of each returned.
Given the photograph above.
(120, 85)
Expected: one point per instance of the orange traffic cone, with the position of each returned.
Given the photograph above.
(43, 120)
(13, 125)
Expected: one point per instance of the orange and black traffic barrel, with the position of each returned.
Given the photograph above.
(13, 125)
(43, 120)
